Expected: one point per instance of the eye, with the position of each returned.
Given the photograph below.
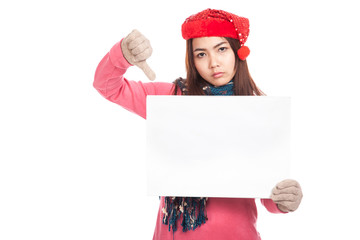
(222, 49)
(200, 55)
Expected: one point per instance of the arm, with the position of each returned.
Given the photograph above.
(110, 83)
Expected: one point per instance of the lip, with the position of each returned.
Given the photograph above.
(218, 74)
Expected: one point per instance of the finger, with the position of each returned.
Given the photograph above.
(133, 35)
(284, 198)
(147, 70)
(289, 190)
(289, 206)
(287, 183)
(136, 42)
(143, 55)
(142, 48)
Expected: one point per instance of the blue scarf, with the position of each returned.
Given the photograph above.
(209, 89)
(192, 210)
(227, 89)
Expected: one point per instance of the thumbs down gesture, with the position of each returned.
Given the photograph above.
(137, 49)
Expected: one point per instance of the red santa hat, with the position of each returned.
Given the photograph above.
(218, 23)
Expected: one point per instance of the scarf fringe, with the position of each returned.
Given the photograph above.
(192, 210)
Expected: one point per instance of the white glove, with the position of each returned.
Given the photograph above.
(136, 49)
(287, 195)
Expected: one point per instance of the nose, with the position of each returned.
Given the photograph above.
(213, 61)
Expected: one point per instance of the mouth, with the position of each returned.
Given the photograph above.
(217, 74)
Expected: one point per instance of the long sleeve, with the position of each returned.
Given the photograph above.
(270, 206)
(110, 82)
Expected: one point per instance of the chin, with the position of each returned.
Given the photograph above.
(220, 82)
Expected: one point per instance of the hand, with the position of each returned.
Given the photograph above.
(136, 49)
(287, 195)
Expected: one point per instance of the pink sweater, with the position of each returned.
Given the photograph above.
(228, 218)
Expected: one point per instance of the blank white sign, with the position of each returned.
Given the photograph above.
(217, 146)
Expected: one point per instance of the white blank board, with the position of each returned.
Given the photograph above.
(217, 146)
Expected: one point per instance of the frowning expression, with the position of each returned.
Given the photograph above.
(214, 59)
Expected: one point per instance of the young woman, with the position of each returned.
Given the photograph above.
(216, 65)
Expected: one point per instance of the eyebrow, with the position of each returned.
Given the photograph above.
(203, 49)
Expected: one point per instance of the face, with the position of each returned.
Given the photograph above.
(214, 59)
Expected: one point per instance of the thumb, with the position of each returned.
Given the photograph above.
(147, 70)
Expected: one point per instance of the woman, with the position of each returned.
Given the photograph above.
(216, 65)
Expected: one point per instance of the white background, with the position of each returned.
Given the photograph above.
(72, 164)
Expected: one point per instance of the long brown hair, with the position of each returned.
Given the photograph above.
(243, 82)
